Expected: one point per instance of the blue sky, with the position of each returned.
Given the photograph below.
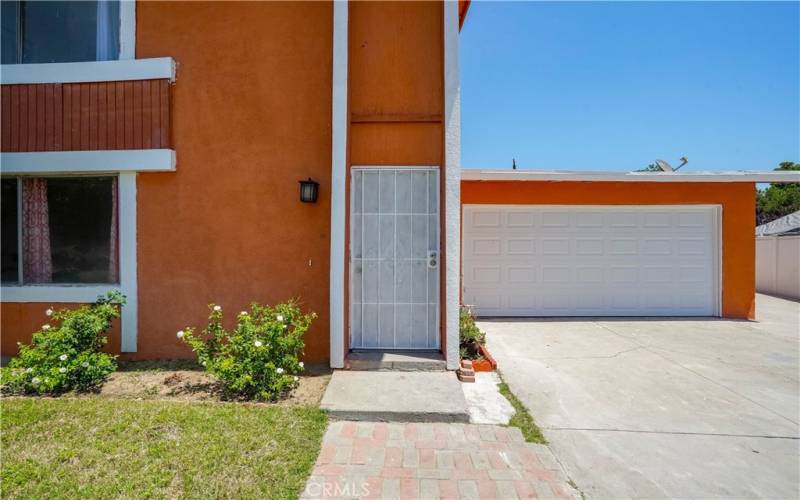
(613, 86)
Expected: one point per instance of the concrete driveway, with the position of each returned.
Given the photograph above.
(664, 408)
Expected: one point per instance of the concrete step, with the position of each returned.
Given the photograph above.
(409, 361)
(395, 396)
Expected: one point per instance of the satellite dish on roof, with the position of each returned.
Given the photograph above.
(664, 166)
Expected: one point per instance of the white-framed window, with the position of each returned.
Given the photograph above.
(36, 32)
(61, 230)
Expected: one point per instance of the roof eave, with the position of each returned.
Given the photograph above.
(605, 176)
(463, 7)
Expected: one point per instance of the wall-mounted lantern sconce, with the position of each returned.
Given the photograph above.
(309, 190)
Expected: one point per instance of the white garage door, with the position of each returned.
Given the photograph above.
(557, 260)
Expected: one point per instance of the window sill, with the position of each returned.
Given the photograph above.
(85, 162)
(54, 293)
(92, 71)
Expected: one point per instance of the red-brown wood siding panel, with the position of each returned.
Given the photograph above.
(5, 119)
(85, 116)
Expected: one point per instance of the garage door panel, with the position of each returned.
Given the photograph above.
(589, 274)
(485, 219)
(659, 220)
(556, 274)
(520, 246)
(485, 246)
(589, 220)
(589, 246)
(555, 219)
(485, 275)
(656, 246)
(693, 274)
(520, 274)
(693, 246)
(519, 220)
(623, 246)
(555, 246)
(597, 261)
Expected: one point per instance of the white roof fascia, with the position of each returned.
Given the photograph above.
(781, 176)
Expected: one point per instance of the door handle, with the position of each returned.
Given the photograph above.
(433, 259)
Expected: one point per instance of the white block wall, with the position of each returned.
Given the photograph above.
(778, 265)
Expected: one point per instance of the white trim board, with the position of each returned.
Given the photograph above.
(128, 277)
(88, 293)
(127, 30)
(452, 183)
(78, 294)
(91, 71)
(600, 176)
(338, 177)
(74, 162)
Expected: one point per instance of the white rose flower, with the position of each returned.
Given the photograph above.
(284, 327)
(63, 357)
(62, 370)
(45, 327)
(28, 370)
(258, 343)
(35, 381)
(85, 364)
(279, 370)
(280, 318)
(180, 334)
(243, 313)
(296, 378)
(49, 312)
(302, 365)
(217, 308)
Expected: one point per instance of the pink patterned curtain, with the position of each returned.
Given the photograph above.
(113, 257)
(36, 260)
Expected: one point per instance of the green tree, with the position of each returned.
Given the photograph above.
(778, 200)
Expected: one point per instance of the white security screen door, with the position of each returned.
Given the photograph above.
(394, 258)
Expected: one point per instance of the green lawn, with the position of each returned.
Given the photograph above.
(104, 448)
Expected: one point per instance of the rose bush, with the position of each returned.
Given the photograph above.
(64, 354)
(258, 358)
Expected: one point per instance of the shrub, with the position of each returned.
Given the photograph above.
(64, 354)
(258, 358)
(469, 335)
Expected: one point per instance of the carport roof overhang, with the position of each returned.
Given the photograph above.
(601, 176)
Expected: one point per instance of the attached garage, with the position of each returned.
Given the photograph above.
(608, 244)
(583, 260)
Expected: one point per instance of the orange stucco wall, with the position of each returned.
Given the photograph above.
(738, 217)
(251, 116)
(19, 321)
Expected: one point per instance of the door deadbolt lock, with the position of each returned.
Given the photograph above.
(433, 259)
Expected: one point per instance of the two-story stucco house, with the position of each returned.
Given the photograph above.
(158, 148)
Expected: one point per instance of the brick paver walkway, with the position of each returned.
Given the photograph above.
(433, 460)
